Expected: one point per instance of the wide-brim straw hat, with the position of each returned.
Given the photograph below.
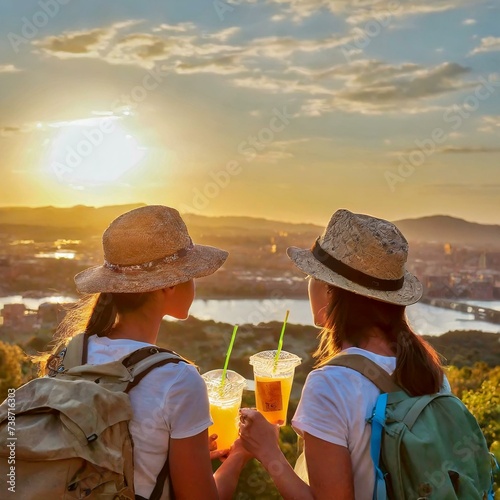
(364, 255)
(148, 249)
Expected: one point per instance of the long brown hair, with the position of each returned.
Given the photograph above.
(349, 318)
(92, 314)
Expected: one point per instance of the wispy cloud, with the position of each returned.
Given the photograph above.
(10, 131)
(362, 11)
(143, 49)
(365, 86)
(490, 124)
(469, 22)
(467, 150)
(13, 130)
(26, 128)
(488, 44)
(178, 28)
(166, 43)
(225, 34)
(222, 66)
(275, 84)
(281, 149)
(76, 44)
(283, 46)
(392, 88)
(273, 156)
(9, 68)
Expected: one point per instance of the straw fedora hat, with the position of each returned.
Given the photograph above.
(364, 255)
(147, 249)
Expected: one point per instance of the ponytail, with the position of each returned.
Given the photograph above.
(92, 314)
(418, 367)
(102, 317)
(350, 317)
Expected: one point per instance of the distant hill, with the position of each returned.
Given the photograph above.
(446, 229)
(79, 216)
(98, 219)
(438, 228)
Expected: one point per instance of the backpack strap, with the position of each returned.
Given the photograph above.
(378, 376)
(73, 354)
(369, 369)
(141, 362)
(411, 417)
(378, 423)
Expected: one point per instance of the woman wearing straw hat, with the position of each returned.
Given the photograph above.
(150, 264)
(358, 290)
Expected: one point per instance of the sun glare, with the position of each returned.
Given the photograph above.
(93, 152)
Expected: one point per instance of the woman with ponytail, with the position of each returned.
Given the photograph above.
(358, 291)
(150, 264)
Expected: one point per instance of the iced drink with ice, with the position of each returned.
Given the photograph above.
(225, 401)
(273, 383)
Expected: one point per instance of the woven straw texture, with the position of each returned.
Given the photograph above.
(147, 249)
(373, 246)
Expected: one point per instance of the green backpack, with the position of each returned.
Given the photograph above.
(66, 436)
(424, 447)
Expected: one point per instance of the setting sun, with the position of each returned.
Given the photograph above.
(92, 152)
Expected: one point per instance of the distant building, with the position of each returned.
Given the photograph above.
(496, 290)
(17, 317)
(13, 315)
(438, 285)
(50, 314)
(481, 290)
(482, 264)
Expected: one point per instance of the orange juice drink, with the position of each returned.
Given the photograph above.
(226, 421)
(272, 396)
(225, 401)
(273, 383)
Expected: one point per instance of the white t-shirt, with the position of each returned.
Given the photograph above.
(334, 406)
(171, 401)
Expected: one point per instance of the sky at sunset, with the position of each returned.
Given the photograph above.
(284, 109)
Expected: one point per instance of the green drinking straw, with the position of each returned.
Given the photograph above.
(230, 348)
(280, 343)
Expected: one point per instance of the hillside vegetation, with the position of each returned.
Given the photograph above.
(473, 371)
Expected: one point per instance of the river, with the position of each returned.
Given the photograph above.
(425, 319)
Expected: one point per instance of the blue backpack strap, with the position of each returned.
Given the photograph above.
(378, 423)
(494, 468)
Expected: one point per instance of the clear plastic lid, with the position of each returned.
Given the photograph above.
(264, 363)
(231, 389)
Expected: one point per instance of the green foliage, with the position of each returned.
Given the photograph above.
(467, 378)
(15, 368)
(484, 404)
(465, 348)
(477, 386)
(475, 377)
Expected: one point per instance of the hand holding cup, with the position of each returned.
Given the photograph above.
(258, 436)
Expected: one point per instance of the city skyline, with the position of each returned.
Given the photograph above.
(282, 109)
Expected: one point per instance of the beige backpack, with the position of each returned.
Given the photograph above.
(66, 436)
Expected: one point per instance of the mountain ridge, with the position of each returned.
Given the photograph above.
(435, 228)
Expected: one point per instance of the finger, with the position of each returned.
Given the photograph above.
(212, 442)
(247, 413)
(218, 454)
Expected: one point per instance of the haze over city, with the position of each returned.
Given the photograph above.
(278, 109)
